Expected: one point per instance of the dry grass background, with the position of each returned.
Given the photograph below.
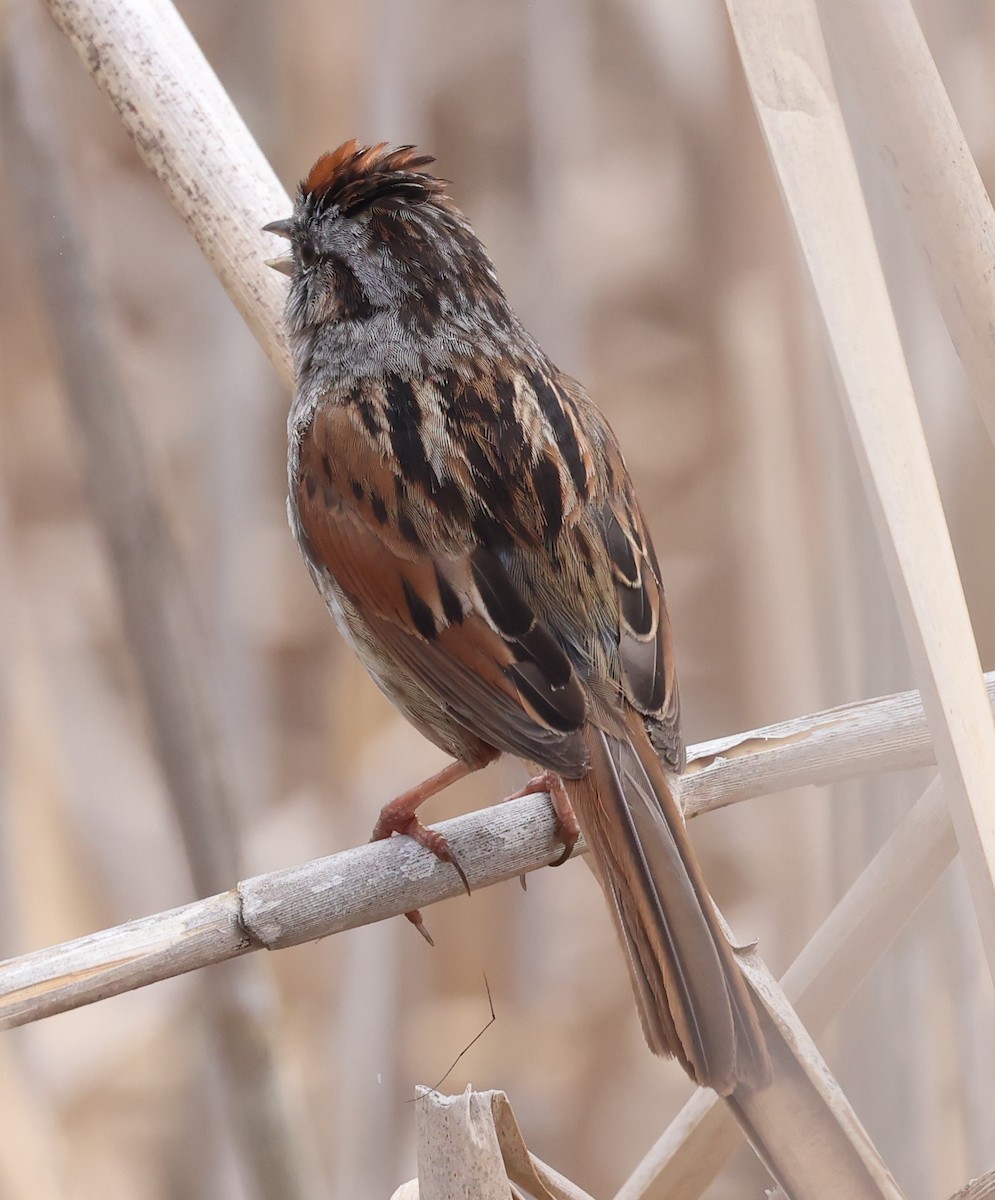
(609, 156)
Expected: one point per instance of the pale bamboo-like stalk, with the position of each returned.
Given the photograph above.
(191, 137)
(781, 45)
(982, 1188)
(703, 1137)
(908, 114)
(373, 882)
(889, 733)
(802, 1127)
(471, 1145)
(802, 1097)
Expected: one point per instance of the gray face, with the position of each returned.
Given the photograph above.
(339, 271)
(415, 260)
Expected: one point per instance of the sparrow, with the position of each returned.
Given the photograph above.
(466, 514)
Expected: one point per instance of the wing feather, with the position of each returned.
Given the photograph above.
(451, 621)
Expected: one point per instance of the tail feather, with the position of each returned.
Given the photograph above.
(692, 998)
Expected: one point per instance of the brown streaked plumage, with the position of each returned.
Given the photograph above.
(466, 512)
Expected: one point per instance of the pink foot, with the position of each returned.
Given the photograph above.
(391, 821)
(400, 816)
(567, 827)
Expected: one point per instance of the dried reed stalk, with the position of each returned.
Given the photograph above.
(190, 136)
(703, 1137)
(781, 45)
(902, 101)
(375, 881)
(471, 1145)
(982, 1188)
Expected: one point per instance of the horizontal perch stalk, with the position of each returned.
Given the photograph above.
(372, 882)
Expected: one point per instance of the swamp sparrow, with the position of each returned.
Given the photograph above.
(466, 514)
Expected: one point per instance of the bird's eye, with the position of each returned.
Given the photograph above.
(308, 254)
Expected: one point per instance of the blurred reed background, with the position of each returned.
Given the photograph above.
(609, 157)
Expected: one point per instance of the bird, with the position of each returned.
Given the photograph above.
(466, 514)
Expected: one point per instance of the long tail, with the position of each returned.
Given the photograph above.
(692, 998)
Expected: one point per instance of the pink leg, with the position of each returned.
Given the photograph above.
(400, 816)
(567, 828)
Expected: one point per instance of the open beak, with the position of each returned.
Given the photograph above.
(284, 229)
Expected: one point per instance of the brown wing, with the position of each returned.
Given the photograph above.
(646, 652)
(447, 616)
(645, 662)
(692, 999)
